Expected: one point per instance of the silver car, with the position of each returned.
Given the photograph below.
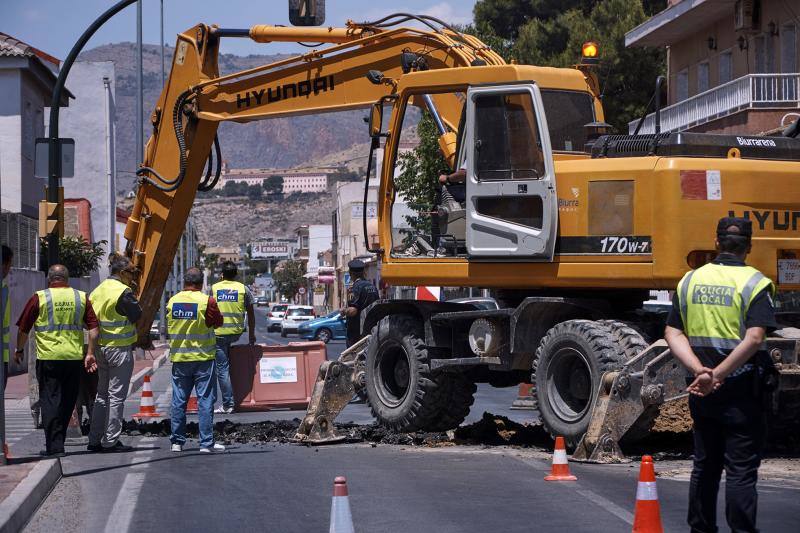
(275, 316)
(294, 316)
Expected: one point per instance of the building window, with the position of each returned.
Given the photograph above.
(682, 86)
(702, 77)
(725, 67)
(789, 48)
(761, 53)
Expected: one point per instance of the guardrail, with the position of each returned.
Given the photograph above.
(748, 92)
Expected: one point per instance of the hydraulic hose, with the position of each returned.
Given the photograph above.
(171, 184)
(207, 185)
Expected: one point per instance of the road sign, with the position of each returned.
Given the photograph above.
(301, 290)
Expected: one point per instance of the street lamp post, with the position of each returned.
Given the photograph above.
(54, 156)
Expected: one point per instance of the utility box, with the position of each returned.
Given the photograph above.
(275, 377)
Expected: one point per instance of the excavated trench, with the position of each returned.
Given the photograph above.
(491, 430)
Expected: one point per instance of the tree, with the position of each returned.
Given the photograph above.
(235, 188)
(551, 34)
(80, 256)
(418, 179)
(273, 184)
(289, 276)
(254, 192)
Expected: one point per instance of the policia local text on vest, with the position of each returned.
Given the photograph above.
(721, 313)
(58, 315)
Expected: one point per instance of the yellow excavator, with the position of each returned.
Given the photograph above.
(568, 226)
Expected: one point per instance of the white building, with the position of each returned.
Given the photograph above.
(305, 182)
(90, 120)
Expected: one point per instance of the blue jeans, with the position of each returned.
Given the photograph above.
(200, 376)
(223, 368)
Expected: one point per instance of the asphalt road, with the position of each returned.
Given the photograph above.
(287, 488)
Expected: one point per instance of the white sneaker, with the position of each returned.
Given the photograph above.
(223, 410)
(217, 447)
(177, 448)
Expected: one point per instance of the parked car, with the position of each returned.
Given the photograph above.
(294, 316)
(275, 316)
(324, 328)
(261, 301)
(155, 331)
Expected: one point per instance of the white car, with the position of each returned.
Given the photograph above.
(296, 315)
(275, 316)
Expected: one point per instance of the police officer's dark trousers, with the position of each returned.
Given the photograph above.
(59, 382)
(729, 435)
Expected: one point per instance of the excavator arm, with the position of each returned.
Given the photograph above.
(361, 64)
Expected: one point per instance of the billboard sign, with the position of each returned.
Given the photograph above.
(270, 249)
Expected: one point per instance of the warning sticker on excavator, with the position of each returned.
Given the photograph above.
(701, 185)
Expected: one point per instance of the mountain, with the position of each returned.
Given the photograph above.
(274, 143)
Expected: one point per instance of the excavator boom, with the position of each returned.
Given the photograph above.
(196, 99)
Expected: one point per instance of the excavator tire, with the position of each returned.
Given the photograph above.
(631, 343)
(567, 368)
(455, 396)
(402, 392)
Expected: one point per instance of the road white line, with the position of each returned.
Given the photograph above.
(119, 520)
(623, 514)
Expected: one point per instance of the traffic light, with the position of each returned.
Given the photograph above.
(51, 216)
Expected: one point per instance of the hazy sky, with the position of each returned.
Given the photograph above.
(54, 25)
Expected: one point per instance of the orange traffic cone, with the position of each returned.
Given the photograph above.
(147, 405)
(647, 517)
(524, 399)
(191, 405)
(341, 518)
(560, 469)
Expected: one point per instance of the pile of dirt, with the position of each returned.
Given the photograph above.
(674, 417)
(491, 430)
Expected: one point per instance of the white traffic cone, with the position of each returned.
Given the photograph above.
(341, 518)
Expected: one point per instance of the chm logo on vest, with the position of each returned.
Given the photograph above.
(227, 295)
(184, 311)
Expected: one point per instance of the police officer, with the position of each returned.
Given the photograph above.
(233, 299)
(117, 311)
(58, 314)
(191, 319)
(5, 307)
(360, 295)
(721, 313)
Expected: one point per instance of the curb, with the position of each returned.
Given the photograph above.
(138, 379)
(25, 499)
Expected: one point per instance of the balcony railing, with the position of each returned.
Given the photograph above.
(748, 92)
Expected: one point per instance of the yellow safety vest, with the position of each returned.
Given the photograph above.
(59, 326)
(5, 297)
(189, 337)
(714, 300)
(230, 296)
(115, 329)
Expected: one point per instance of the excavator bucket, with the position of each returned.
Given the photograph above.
(337, 382)
(629, 397)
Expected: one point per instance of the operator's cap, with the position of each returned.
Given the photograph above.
(356, 265)
(744, 225)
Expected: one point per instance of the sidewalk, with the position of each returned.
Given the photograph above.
(27, 479)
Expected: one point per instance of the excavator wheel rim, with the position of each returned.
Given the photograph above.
(567, 364)
(391, 388)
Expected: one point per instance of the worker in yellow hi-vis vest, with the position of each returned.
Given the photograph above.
(117, 310)
(721, 314)
(58, 314)
(234, 300)
(5, 308)
(191, 319)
